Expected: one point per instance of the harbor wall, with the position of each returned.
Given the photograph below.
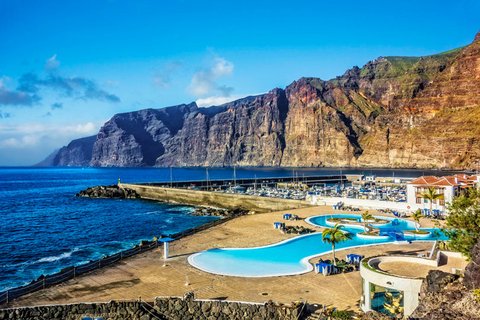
(215, 199)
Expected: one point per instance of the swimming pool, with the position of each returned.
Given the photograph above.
(290, 257)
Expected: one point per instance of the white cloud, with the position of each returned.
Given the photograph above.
(52, 63)
(201, 84)
(38, 135)
(215, 100)
(222, 67)
(20, 142)
(204, 82)
(86, 128)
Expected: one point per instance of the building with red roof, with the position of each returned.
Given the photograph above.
(447, 186)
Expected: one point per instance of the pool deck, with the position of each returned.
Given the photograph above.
(147, 276)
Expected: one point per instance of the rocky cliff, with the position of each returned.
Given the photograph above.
(393, 112)
(77, 153)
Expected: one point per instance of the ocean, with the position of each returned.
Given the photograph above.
(45, 228)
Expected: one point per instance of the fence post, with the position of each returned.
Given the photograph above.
(73, 272)
(7, 296)
(121, 255)
(43, 281)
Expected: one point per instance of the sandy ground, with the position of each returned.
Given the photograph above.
(148, 276)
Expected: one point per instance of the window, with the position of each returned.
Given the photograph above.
(419, 200)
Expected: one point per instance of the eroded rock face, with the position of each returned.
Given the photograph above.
(394, 112)
(472, 271)
(444, 297)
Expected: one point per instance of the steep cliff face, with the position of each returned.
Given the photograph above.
(138, 138)
(77, 153)
(244, 132)
(324, 123)
(439, 124)
(393, 112)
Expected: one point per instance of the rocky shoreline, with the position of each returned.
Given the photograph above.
(109, 192)
(219, 212)
(116, 192)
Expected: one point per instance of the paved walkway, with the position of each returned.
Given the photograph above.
(148, 276)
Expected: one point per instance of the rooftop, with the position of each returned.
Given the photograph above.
(455, 180)
(413, 267)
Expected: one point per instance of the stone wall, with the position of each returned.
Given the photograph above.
(112, 310)
(216, 199)
(190, 309)
(163, 308)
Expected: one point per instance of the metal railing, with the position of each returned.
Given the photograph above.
(75, 271)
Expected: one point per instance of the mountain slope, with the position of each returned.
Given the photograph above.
(77, 153)
(392, 112)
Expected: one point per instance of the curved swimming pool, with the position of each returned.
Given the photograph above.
(291, 256)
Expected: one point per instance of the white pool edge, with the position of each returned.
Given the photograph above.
(304, 261)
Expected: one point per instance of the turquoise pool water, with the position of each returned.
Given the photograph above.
(291, 256)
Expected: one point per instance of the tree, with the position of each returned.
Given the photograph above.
(366, 216)
(463, 222)
(416, 217)
(333, 236)
(431, 195)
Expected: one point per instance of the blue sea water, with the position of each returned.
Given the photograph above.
(44, 227)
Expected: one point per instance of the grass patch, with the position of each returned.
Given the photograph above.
(343, 219)
(417, 232)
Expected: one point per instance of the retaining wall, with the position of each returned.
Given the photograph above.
(164, 308)
(362, 203)
(216, 199)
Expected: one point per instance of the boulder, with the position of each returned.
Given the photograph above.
(472, 271)
(113, 191)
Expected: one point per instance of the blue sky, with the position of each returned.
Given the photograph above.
(67, 66)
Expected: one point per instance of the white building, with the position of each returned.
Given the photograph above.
(448, 186)
(381, 287)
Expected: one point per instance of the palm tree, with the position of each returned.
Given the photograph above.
(333, 236)
(416, 217)
(366, 216)
(431, 195)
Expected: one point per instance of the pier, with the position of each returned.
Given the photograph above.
(227, 193)
(215, 199)
(222, 184)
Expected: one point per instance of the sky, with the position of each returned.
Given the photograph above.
(68, 66)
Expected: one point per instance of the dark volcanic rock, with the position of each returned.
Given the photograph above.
(113, 191)
(444, 297)
(437, 280)
(472, 271)
(217, 212)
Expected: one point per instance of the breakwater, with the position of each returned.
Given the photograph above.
(214, 199)
(163, 308)
(206, 184)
